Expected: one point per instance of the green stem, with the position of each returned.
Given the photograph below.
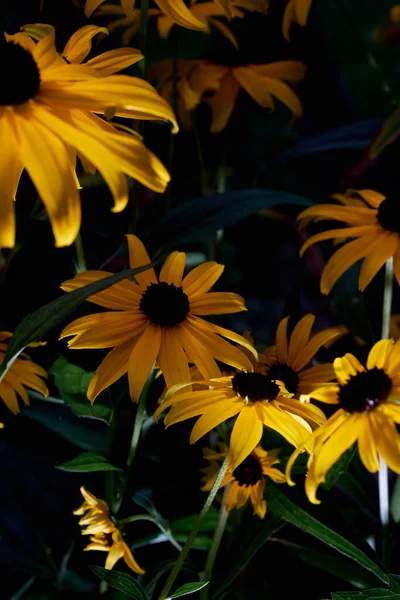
(142, 33)
(80, 255)
(192, 536)
(144, 517)
(383, 474)
(137, 428)
(212, 553)
(21, 592)
(110, 475)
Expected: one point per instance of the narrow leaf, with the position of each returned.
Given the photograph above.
(376, 594)
(88, 462)
(188, 588)
(37, 324)
(287, 510)
(120, 581)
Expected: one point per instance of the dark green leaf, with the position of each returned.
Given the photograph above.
(37, 324)
(394, 582)
(199, 219)
(142, 497)
(188, 588)
(249, 540)
(185, 525)
(120, 581)
(339, 467)
(377, 594)
(88, 462)
(285, 509)
(72, 382)
(52, 418)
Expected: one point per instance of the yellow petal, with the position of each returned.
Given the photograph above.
(138, 257)
(246, 435)
(288, 17)
(226, 32)
(223, 102)
(202, 278)
(302, 8)
(288, 70)
(386, 439)
(142, 359)
(299, 338)
(329, 395)
(257, 86)
(367, 448)
(112, 367)
(180, 14)
(347, 366)
(344, 232)
(279, 420)
(217, 303)
(230, 335)
(104, 330)
(198, 353)
(314, 344)
(222, 411)
(91, 5)
(131, 562)
(124, 295)
(172, 269)
(281, 341)
(172, 359)
(379, 354)
(113, 61)
(80, 43)
(202, 406)
(374, 262)
(10, 172)
(114, 555)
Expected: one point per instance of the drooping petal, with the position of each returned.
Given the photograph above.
(112, 367)
(386, 439)
(180, 14)
(288, 17)
(374, 261)
(302, 8)
(329, 395)
(10, 172)
(138, 256)
(286, 95)
(212, 418)
(9, 397)
(116, 552)
(343, 232)
(198, 353)
(130, 561)
(351, 215)
(314, 344)
(279, 420)
(246, 435)
(306, 410)
(288, 70)
(198, 406)
(80, 43)
(105, 330)
(142, 359)
(91, 5)
(257, 86)
(227, 333)
(172, 269)
(367, 448)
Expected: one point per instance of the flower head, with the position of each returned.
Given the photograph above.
(104, 534)
(373, 220)
(288, 359)
(158, 319)
(255, 399)
(296, 11)
(368, 400)
(246, 482)
(22, 373)
(48, 114)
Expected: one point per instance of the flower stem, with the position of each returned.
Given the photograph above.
(383, 474)
(80, 255)
(142, 33)
(137, 428)
(144, 517)
(212, 553)
(189, 542)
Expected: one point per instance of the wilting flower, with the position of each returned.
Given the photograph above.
(296, 11)
(373, 220)
(246, 482)
(158, 320)
(47, 115)
(21, 373)
(288, 359)
(104, 534)
(254, 398)
(369, 407)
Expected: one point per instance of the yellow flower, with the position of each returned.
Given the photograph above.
(104, 534)
(261, 82)
(255, 398)
(158, 320)
(175, 9)
(296, 11)
(22, 373)
(47, 111)
(372, 219)
(246, 482)
(288, 360)
(369, 406)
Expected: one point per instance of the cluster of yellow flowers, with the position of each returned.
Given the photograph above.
(50, 117)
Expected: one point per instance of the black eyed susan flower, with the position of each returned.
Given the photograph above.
(22, 373)
(254, 398)
(288, 359)
(373, 220)
(104, 534)
(158, 319)
(296, 11)
(47, 114)
(369, 407)
(246, 482)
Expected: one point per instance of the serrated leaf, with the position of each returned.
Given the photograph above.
(37, 324)
(200, 218)
(287, 510)
(188, 588)
(120, 581)
(88, 462)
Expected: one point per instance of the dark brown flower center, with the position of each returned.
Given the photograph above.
(389, 215)
(364, 391)
(254, 386)
(249, 472)
(165, 304)
(20, 77)
(285, 374)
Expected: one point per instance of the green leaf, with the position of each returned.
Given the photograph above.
(52, 417)
(249, 539)
(37, 324)
(394, 582)
(185, 525)
(88, 462)
(339, 468)
(200, 218)
(285, 509)
(188, 588)
(72, 382)
(120, 581)
(376, 594)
